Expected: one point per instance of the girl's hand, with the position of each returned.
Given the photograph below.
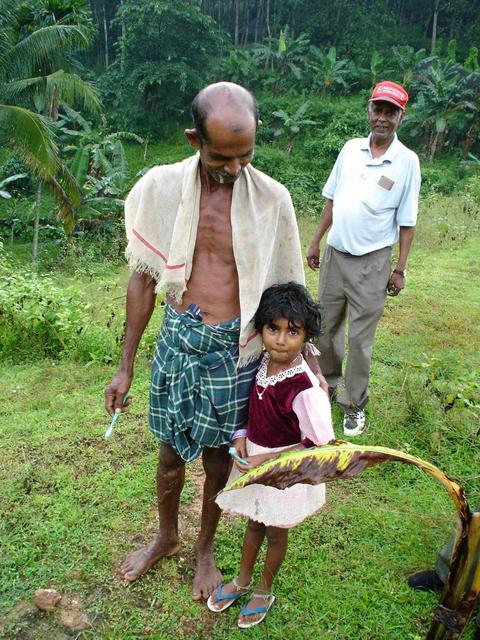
(240, 446)
(255, 461)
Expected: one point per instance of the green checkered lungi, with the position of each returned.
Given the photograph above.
(198, 397)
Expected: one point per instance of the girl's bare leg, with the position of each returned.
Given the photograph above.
(277, 548)
(252, 541)
(254, 536)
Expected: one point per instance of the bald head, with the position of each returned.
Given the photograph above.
(224, 104)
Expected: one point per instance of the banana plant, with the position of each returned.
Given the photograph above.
(3, 183)
(292, 124)
(338, 460)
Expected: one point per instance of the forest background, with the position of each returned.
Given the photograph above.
(91, 96)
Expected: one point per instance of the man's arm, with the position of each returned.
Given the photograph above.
(397, 281)
(313, 254)
(140, 306)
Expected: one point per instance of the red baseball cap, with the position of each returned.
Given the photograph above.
(390, 92)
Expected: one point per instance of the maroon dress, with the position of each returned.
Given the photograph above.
(285, 409)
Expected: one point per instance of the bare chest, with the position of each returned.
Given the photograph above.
(214, 232)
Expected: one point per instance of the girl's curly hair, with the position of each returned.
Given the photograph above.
(293, 302)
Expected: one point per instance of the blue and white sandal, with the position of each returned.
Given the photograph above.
(268, 598)
(224, 600)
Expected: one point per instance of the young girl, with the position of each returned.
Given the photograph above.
(287, 410)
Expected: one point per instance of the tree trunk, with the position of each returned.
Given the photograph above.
(433, 146)
(105, 35)
(257, 20)
(434, 26)
(469, 140)
(53, 103)
(237, 17)
(267, 20)
(36, 222)
(246, 22)
(122, 46)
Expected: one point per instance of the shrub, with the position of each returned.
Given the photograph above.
(304, 179)
(36, 317)
(331, 138)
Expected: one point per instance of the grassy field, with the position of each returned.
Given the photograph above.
(72, 505)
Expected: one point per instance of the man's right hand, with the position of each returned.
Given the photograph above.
(115, 392)
(313, 257)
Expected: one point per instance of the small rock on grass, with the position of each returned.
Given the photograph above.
(74, 619)
(73, 616)
(46, 599)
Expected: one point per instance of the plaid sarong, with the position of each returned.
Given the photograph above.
(198, 397)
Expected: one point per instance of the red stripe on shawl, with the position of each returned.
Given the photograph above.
(250, 337)
(157, 251)
(150, 246)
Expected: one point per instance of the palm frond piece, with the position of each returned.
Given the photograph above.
(71, 89)
(32, 137)
(37, 50)
(340, 460)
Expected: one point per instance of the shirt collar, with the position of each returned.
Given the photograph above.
(389, 154)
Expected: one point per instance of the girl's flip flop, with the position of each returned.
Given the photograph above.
(224, 600)
(261, 611)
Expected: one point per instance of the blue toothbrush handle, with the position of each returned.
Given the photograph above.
(235, 455)
(109, 431)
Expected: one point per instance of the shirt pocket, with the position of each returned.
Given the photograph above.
(378, 198)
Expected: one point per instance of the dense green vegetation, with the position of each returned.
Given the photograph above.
(77, 80)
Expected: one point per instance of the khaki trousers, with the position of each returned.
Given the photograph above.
(352, 288)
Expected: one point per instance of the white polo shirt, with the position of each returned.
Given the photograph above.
(372, 197)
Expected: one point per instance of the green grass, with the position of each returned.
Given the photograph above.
(72, 505)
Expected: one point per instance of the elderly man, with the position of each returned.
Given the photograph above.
(372, 201)
(212, 233)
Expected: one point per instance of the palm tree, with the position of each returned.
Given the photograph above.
(32, 58)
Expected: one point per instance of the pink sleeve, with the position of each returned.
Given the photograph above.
(314, 414)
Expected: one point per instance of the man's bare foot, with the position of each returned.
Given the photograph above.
(139, 562)
(207, 576)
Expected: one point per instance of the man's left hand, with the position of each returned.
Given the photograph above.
(395, 284)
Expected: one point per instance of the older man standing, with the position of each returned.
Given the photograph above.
(372, 201)
(211, 232)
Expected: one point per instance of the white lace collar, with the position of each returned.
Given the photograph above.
(264, 381)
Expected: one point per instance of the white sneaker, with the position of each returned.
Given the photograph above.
(354, 423)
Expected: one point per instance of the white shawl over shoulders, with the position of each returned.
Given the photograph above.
(161, 218)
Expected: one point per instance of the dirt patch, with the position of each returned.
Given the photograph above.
(64, 620)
